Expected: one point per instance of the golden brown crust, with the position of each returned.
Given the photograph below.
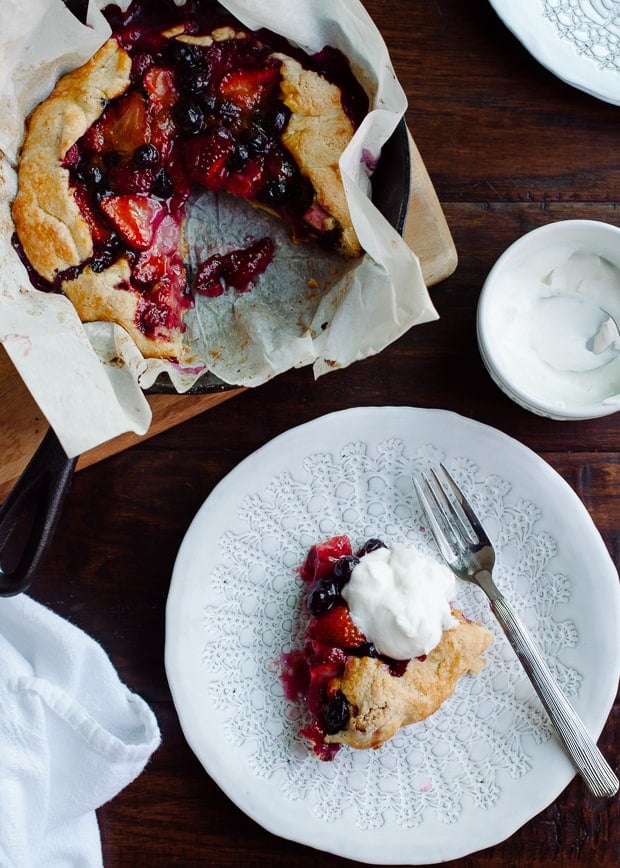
(56, 236)
(101, 297)
(50, 226)
(381, 703)
(317, 133)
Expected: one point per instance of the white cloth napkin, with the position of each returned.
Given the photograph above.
(71, 737)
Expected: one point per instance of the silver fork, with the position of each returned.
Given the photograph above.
(467, 549)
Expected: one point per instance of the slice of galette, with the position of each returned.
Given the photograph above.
(384, 647)
(177, 102)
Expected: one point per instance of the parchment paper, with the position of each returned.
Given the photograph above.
(307, 309)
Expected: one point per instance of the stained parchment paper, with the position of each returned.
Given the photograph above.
(308, 308)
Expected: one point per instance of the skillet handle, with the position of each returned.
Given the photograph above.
(29, 515)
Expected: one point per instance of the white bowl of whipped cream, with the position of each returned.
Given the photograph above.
(548, 318)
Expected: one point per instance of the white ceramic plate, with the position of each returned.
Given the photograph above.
(577, 40)
(488, 760)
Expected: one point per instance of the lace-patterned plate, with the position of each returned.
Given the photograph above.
(488, 760)
(577, 40)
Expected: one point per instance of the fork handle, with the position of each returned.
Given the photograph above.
(586, 756)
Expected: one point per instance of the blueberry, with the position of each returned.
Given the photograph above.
(324, 595)
(102, 191)
(108, 254)
(194, 83)
(281, 185)
(189, 116)
(100, 263)
(238, 159)
(371, 545)
(162, 185)
(258, 141)
(89, 174)
(146, 157)
(279, 118)
(209, 102)
(343, 569)
(186, 55)
(336, 713)
(276, 192)
(366, 649)
(229, 112)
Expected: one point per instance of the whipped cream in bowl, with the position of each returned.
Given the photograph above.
(400, 599)
(548, 319)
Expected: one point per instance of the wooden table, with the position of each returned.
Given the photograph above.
(508, 147)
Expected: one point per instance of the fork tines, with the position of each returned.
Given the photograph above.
(448, 513)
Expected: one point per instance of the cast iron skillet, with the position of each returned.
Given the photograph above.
(29, 516)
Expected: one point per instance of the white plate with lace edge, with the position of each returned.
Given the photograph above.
(488, 760)
(577, 40)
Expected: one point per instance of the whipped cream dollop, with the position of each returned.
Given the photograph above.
(554, 328)
(400, 599)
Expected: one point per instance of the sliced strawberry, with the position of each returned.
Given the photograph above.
(152, 266)
(249, 181)
(149, 267)
(168, 233)
(134, 218)
(127, 180)
(162, 95)
(162, 259)
(100, 234)
(249, 88)
(124, 126)
(206, 157)
(336, 629)
(176, 176)
(322, 557)
(326, 666)
(160, 87)
(229, 54)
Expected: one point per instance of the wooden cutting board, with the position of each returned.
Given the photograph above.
(23, 426)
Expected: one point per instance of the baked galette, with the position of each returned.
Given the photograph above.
(179, 100)
(357, 696)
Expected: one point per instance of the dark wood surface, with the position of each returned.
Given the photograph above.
(508, 147)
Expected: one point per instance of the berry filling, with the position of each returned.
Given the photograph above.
(203, 111)
(331, 638)
(238, 268)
